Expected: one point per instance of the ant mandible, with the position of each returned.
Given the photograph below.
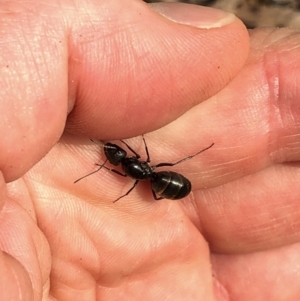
(166, 184)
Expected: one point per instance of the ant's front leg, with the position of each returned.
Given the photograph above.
(135, 153)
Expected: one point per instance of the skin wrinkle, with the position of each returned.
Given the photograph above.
(295, 135)
(292, 38)
(272, 79)
(266, 38)
(99, 256)
(17, 284)
(288, 177)
(275, 223)
(220, 289)
(265, 229)
(197, 221)
(225, 175)
(295, 151)
(224, 164)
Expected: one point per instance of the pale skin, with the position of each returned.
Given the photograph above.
(65, 69)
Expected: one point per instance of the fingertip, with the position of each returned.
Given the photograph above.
(15, 283)
(194, 15)
(154, 74)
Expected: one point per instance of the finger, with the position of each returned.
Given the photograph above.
(15, 283)
(33, 83)
(274, 269)
(20, 238)
(254, 122)
(106, 57)
(256, 212)
(155, 72)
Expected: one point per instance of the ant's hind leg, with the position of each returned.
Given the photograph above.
(135, 183)
(157, 198)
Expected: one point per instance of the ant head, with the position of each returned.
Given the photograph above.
(114, 153)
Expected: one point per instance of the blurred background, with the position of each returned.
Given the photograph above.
(256, 13)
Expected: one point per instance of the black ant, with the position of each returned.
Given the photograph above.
(166, 184)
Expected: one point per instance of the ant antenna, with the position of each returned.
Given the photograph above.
(102, 165)
(98, 142)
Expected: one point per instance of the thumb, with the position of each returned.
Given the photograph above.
(145, 69)
(119, 67)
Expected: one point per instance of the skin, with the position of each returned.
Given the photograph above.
(65, 68)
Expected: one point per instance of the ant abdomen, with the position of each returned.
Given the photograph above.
(170, 185)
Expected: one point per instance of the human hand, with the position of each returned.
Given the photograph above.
(68, 241)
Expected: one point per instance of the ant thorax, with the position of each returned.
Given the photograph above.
(136, 169)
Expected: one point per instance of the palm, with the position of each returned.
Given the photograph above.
(103, 247)
(102, 250)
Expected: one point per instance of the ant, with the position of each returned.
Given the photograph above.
(166, 184)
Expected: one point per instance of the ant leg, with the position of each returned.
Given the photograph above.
(146, 149)
(135, 183)
(157, 198)
(115, 171)
(102, 165)
(136, 154)
(184, 159)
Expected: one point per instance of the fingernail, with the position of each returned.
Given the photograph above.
(194, 15)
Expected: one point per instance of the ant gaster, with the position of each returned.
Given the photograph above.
(164, 184)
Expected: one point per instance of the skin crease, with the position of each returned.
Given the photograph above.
(233, 238)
